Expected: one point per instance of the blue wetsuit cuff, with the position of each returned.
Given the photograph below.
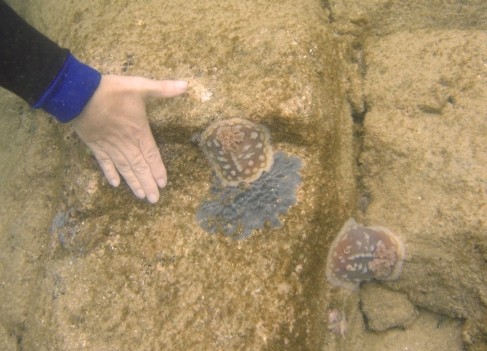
(70, 91)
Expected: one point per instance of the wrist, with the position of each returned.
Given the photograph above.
(70, 91)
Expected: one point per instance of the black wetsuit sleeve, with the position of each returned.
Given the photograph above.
(29, 62)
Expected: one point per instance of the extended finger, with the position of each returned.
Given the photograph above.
(142, 171)
(124, 166)
(107, 166)
(164, 88)
(153, 158)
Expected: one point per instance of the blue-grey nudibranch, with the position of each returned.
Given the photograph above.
(254, 185)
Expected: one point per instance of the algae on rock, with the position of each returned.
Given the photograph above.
(121, 273)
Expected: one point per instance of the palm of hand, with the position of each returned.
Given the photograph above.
(114, 126)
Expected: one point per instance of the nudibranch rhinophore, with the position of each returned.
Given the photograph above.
(238, 150)
(361, 253)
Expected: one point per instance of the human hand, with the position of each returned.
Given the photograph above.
(114, 126)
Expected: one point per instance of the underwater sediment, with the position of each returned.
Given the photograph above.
(117, 273)
(121, 273)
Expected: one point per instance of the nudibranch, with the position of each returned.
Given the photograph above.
(361, 253)
(237, 211)
(238, 150)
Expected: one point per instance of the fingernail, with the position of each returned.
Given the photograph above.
(114, 182)
(152, 198)
(140, 194)
(181, 84)
(161, 183)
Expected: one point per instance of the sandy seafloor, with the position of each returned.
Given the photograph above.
(384, 102)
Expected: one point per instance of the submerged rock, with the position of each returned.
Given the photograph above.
(385, 309)
(238, 210)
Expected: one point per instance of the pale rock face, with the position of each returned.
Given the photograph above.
(361, 253)
(238, 150)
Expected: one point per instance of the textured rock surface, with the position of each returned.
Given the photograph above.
(385, 309)
(430, 331)
(87, 266)
(95, 268)
(424, 162)
(418, 85)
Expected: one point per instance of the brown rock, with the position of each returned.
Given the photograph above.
(385, 309)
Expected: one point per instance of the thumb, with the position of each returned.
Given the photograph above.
(164, 88)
